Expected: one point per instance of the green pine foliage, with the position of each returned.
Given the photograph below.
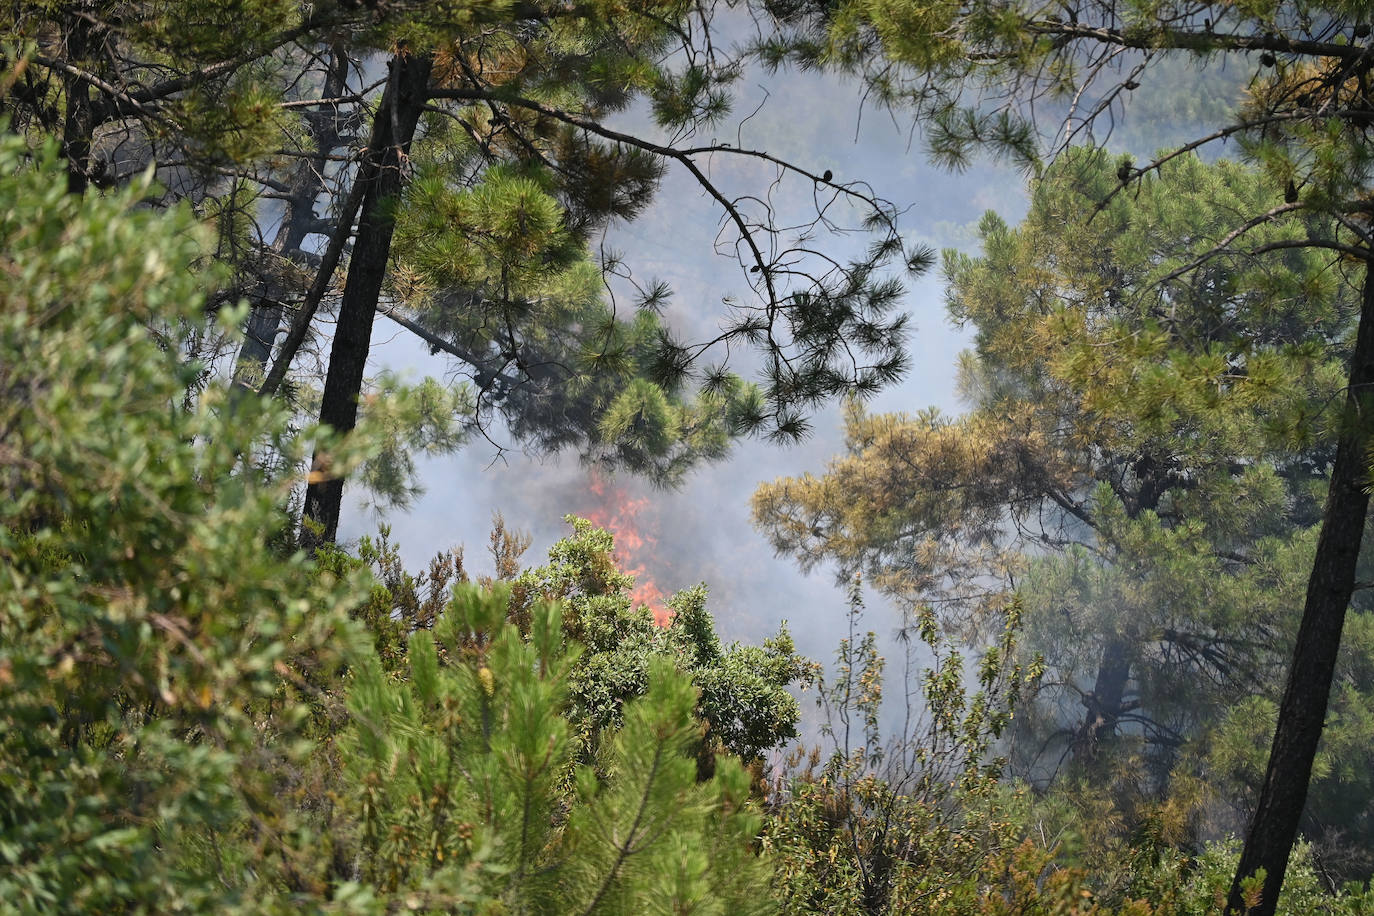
(743, 696)
(1142, 463)
(469, 796)
(195, 717)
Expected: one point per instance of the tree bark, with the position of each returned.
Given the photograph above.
(78, 126)
(1302, 712)
(307, 180)
(404, 99)
(1105, 703)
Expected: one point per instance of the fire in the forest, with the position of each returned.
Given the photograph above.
(618, 512)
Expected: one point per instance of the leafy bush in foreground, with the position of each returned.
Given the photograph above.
(191, 722)
(144, 630)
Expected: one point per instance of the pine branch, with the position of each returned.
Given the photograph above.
(440, 343)
(1269, 216)
(1146, 38)
(682, 155)
(1221, 134)
(623, 850)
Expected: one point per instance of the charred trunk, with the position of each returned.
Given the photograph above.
(1106, 702)
(1302, 711)
(396, 119)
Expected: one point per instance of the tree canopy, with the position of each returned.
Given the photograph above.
(980, 76)
(207, 706)
(1142, 471)
(463, 155)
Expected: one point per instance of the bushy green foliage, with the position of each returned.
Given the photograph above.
(922, 822)
(147, 638)
(908, 822)
(1169, 383)
(743, 690)
(194, 722)
(501, 274)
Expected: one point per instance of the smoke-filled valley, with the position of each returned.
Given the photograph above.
(756, 457)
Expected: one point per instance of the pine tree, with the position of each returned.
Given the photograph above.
(515, 98)
(1142, 476)
(467, 786)
(970, 70)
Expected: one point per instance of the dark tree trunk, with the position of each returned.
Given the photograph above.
(1106, 701)
(265, 321)
(298, 221)
(78, 127)
(1303, 709)
(402, 102)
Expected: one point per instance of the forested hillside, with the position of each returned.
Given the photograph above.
(1108, 644)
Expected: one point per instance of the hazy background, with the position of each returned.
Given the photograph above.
(702, 530)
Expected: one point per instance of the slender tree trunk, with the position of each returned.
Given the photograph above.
(404, 99)
(298, 221)
(78, 126)
(1302, 712)
(1104, 704)
(265, 321)
(324, 274)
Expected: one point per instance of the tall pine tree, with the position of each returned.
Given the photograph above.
(290, 137)
(1142, 461)
(970, 70)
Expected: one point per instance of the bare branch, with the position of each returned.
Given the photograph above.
(300, 324)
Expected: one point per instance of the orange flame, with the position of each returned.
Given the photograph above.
(617, 512)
